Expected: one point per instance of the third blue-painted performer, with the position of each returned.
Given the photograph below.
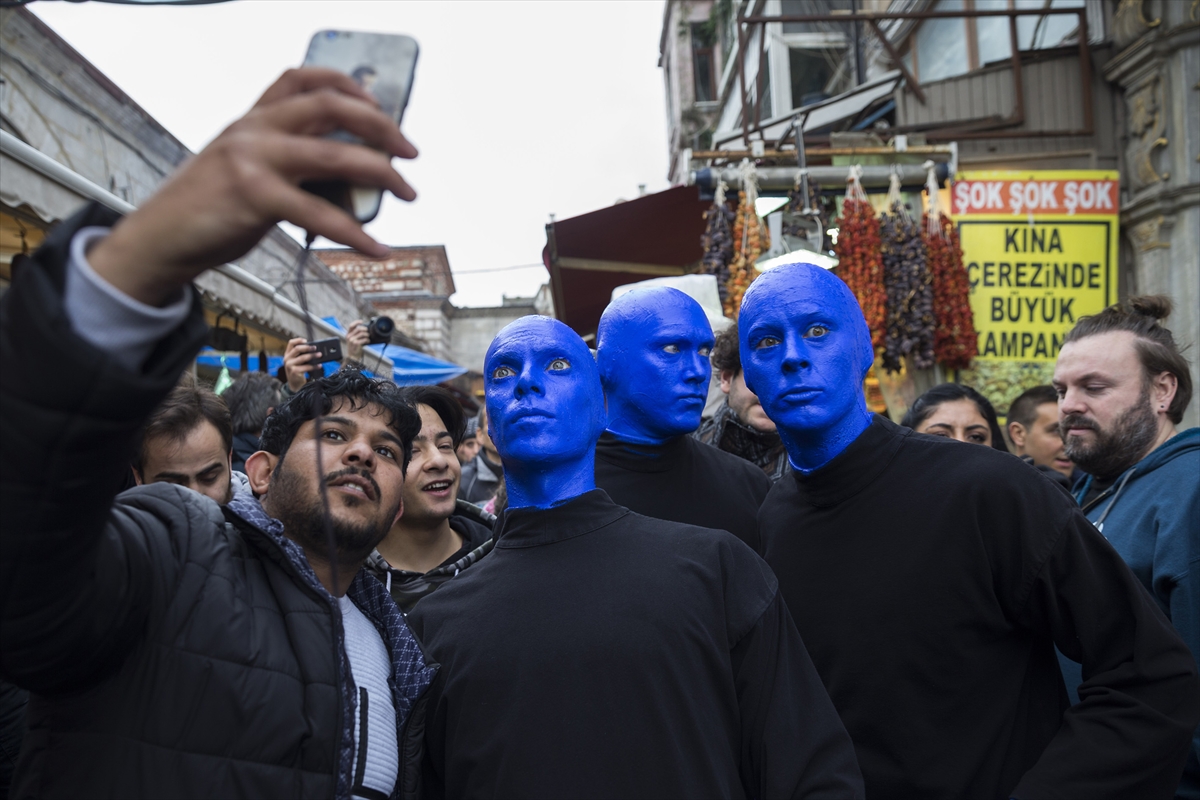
(931, 582)
(599, 653)
(652, 348)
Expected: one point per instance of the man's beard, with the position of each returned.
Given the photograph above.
(1116, 450)
(304, 519)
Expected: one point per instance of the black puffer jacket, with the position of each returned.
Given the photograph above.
(408, 588)
(172, 649)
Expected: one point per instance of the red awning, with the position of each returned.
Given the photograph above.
(590, 255)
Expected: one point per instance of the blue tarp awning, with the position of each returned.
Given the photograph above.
(411, 367)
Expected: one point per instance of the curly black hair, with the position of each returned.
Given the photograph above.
(725, 355)
(320, 396)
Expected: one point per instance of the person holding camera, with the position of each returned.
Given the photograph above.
(182, 648)
(301, 359)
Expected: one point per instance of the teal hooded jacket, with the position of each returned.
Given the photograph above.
(1151, 515)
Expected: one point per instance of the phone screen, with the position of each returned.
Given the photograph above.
(384, 65)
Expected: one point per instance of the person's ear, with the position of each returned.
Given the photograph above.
(727, 376)
(137, 476)
(259, 468)
(1016, 432)
(1163, 388)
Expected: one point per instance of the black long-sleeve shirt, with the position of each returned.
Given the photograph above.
(930, 581)
(684, 481)
(599, 653)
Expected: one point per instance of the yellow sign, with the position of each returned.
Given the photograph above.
(1040, 250)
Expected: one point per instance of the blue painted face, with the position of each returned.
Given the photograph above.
(805, 351)
(545, 410)
(652, 347)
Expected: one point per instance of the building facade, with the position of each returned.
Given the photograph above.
(1036, 92)
(69, 135)
(412, 285)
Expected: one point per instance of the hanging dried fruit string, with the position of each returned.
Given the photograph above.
(910, 319)
(955, 341)
(859, 262)
(718, 240)
(750, 238)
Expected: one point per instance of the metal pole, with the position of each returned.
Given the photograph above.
(742, 79)
(855, 33)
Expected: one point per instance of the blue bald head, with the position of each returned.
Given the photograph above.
(652, 348)
(545, 410)
(805, 350)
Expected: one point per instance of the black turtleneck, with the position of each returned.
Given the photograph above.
(684, 481)
(930, 580)
(599, 653)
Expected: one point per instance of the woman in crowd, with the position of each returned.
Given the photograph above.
(956, 412)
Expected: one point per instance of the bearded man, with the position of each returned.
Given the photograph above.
(931, 582)
(174, 647)
(1124, 387)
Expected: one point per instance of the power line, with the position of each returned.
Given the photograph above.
(496, 269)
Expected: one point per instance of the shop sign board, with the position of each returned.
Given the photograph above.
(1040, 248)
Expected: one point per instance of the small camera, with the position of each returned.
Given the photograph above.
(380, 330)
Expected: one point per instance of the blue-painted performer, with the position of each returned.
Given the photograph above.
(600, 653)
(652, 347)
(931, 582)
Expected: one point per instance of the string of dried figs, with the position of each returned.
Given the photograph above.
(909, 330)
(860, 264)
(955, 341)
(718, 243)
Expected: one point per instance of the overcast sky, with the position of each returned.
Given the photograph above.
(520, 109)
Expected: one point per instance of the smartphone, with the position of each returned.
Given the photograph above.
(384, 65)
(327, 350)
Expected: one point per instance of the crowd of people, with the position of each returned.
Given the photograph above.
(331, 586)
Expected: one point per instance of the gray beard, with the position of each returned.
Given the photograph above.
(1116, 450)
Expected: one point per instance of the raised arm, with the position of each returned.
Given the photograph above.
(97, 327)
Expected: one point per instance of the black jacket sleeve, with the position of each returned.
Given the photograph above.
(76, 575)
(1140, 700)
(793, 741)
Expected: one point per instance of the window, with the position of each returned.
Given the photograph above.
(817, 73)
(941, 44)
(800, 7)
(944, 48)
(992, 34)
(1038, 33)
(704, 67)
(815, 60)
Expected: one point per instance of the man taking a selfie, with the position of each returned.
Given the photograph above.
(183, 649)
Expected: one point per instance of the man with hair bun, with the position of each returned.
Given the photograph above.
(1123, 386)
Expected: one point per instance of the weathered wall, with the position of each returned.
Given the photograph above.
(1157, 68)
(473, 329)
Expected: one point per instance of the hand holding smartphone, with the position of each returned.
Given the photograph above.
(384, 65)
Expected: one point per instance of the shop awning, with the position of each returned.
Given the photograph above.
(590, 255)
(53, 192)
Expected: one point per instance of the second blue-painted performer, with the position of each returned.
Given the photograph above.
(931, 580)
(599, 653)
(653, 348)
